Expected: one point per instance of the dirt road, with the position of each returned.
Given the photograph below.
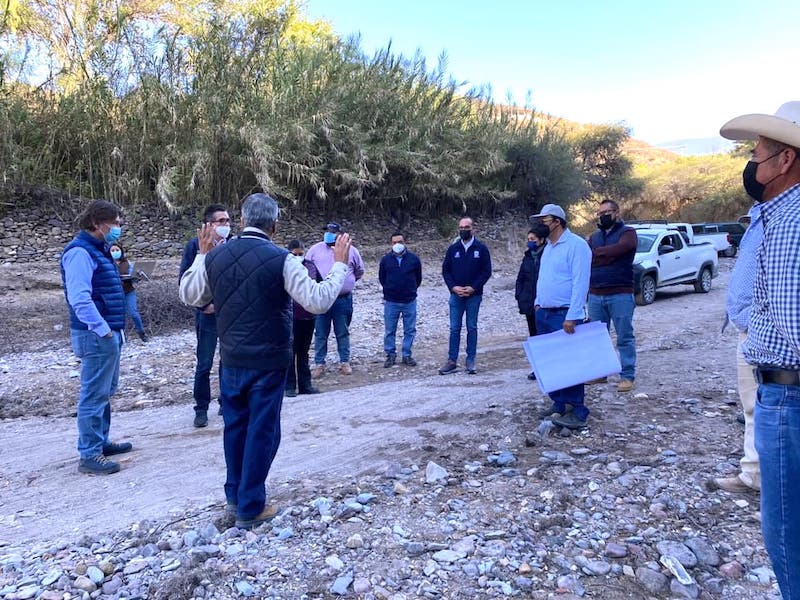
(685, 382)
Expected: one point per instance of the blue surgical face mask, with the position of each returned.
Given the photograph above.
(114, 233)
(329, 238)
(532, 246)
(116, 254)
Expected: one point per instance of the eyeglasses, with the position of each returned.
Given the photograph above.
(600, 213)
(222, 221)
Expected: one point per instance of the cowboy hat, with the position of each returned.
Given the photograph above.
(783, 126)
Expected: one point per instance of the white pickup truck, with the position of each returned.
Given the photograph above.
(666, 257)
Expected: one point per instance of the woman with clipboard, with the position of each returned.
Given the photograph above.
(128, 279)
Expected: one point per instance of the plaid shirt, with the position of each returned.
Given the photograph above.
(773, 334)
(740, 287)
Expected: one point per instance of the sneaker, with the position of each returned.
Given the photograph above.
(597, 381)
(733, 485)
(265, 515)
(143, 336)
(532, 376)
(318, 371)
(98, 465)
(570, 421)
(345, 368)
(409, 361)
(390, 361)
(113, 448)
(290, 393)
(625, 385)
(200, 418)
(471, 367)
(548, 413)
(449, 367)
(311, 390)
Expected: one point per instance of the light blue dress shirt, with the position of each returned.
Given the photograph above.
(564, 275)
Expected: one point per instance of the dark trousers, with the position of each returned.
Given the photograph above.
(205, 326)
(531, 319)
(251, 410)
(298, 377)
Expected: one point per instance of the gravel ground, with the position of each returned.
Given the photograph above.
(396, 483)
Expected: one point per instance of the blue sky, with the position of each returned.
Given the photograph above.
(667, 69)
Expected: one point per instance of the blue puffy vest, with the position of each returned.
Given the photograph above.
(107, 293)
(254, 312)
(620, 272)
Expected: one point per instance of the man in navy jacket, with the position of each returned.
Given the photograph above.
(466, 268)
(400, 274)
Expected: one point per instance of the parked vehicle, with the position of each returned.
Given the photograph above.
(696, 233)
(665, 256)
(734, 231)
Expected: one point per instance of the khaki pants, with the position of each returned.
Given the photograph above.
(751, 473)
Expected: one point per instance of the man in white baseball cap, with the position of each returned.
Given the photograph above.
(772, 346)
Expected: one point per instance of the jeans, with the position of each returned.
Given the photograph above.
(778, 444)
(251, 411)
(340, 314)
(298, 377)
(132, 309)
(391, 314)
(205, 326)
(459, 306)
(99, 377)
(618, 308)
(549, 320)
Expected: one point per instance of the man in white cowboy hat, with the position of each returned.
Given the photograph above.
(772, 177)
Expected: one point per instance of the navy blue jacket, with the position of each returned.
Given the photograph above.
(254, 311)
(613, 252)
(400, 281)
(473, 268)
(107, 293)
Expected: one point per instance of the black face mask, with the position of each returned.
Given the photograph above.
(606, 221)
(465, 235)
(541, 231)
(752, 186)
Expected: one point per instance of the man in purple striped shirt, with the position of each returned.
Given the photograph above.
(340, 314)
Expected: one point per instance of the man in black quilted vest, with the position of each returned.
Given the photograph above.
(252, 285)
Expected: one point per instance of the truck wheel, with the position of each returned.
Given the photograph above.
(647, 295)
(730, 251)
(703, 283)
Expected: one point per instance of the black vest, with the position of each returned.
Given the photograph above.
(254, 312)
(620, 272)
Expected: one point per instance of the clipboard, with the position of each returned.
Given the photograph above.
(142, 269)
(562, 360)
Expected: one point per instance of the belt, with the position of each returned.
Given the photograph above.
(554, 308)
(779, 376)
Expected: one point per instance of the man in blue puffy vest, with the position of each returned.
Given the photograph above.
(611, 284)
(253, 282)
(96, 303)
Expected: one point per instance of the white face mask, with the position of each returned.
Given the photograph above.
(223, 231)
(398, 248)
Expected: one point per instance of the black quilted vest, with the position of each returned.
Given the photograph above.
(254, 312)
